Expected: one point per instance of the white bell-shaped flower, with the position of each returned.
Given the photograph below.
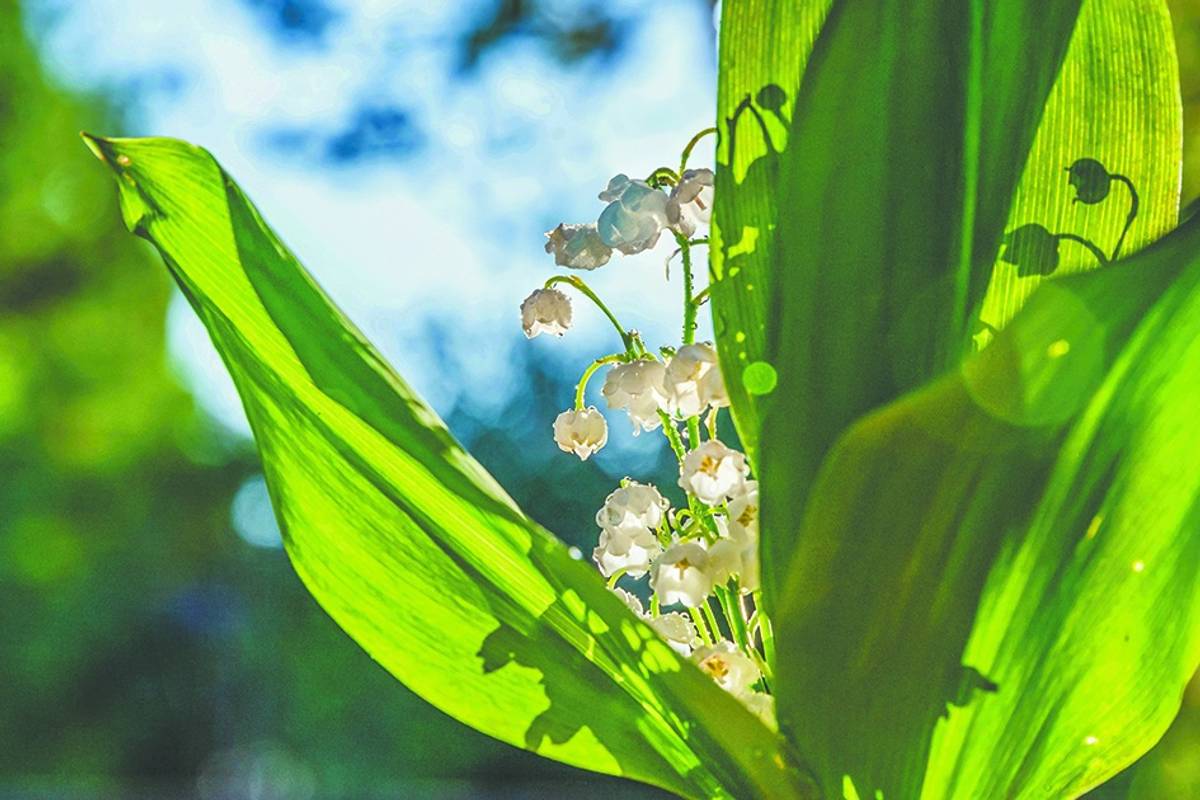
(677, 629)
(630, 600)
(690, 204)
(618, 550)
(546, 311)
(635, 506)
(681, 575)
(712, 472)
(637, 388)
(634, 217)
(762, 706)
(692, 381)
(577, 246)
(581, 431)
(729, 556)
(729, 667)
(743, 512)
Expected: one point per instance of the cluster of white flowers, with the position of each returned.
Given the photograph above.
(700, 558)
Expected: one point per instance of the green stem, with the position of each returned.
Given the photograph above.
(586, 291)
(768, 637)
(616, 576)
(712, 619)
(587, 374)
(662, 175)
(733, 615)
(655, 608)
(689, 307)
(672, 435)
(687, 150)
(693, 429)
(701, 627)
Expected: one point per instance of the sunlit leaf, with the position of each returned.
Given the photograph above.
(997, 592)
(405, 540)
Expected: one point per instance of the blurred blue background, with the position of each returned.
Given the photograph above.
(155, 642)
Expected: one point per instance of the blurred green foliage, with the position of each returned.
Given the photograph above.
(143, 645)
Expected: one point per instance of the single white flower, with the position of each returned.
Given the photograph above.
(729, 667)
(677, 629)
(681, 575)
(712, 472)
(690, 204)
(762, 706)
(730, 556)
(635, 506)
(577, 246)
(617, 550)
(636, 387)
(692, 380)
(743, 513)
(629, 599)
(634, 217)
(581, 431)
(546, 311)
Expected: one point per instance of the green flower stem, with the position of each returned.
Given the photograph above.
(687, 150)
(701, 626)
(768, 635)
(689, 307)
(715, 626)
(585, 290)
(661, 176)
(701, 297)
(581, 387)
(655, 607)
(616, 576)
(668, 426)
(693, 429)
(733, 615)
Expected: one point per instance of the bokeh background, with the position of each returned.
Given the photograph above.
(154, 641)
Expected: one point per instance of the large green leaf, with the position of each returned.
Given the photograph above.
(997, 591)
(884, 264)
(405, 540)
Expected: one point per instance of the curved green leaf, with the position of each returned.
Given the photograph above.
(997, 593)
(406, 541)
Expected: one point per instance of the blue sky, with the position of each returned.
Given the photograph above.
(440, 216)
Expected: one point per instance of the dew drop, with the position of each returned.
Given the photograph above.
(124, 160)
(739, 337)
(759, 378)
(1139, 566)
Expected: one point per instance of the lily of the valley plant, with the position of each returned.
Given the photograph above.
(954, 548)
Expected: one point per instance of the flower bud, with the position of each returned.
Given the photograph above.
(577, 246)
(712, 472)
(637, 387)
(581, 431)
(690, 203)
(546, 311)
(635, 216)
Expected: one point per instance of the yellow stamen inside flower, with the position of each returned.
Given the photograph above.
(715, 666)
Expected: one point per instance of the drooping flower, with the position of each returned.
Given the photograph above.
(581, 431)
(634, 217)
(690, 203)
(692, 380)
(712, 472)
(637, 387)
(619, 550)
(734, 554)
(762, 706)
(743, 513)
(577, 246)
(677, 629)
(635, 506)
(631, 600)
(681, 575)
(729, 668)
(546, 311)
